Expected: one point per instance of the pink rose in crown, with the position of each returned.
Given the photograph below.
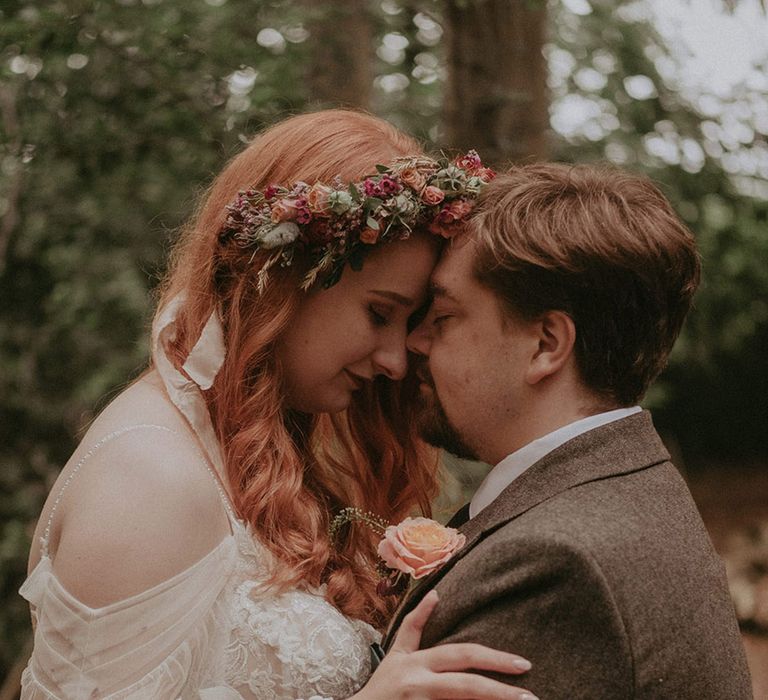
(284, 210)
(456, 211)
(485, 174)
(470, 162)
(447, 223)
(419, 546)
(432, 195)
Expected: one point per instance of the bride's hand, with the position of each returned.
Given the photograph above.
(440, 673)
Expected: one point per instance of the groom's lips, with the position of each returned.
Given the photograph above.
(425, 381)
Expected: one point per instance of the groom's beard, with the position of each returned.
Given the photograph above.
(433, 424)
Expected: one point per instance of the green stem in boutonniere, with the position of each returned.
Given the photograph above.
(355, 515)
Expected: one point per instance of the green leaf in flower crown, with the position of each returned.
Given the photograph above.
(372, 203)
(334, 275)
(354, 192)
(372, 223)
(356, 257)
(382, 168)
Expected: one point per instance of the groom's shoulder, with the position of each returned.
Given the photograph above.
(646, 512)
(651, 498)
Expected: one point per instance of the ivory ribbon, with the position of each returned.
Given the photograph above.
(202, 365)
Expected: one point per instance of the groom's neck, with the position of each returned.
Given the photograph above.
(547, 410)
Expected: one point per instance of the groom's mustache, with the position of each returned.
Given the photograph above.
(424, 375)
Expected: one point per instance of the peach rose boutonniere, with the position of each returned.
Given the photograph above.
(417, 547)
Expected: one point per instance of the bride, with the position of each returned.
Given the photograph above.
(185, 551)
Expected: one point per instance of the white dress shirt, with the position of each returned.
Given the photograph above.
(512, 466)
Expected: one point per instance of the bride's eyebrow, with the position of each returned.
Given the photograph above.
(394, 296)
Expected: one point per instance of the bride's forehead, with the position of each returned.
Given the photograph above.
(408, 262)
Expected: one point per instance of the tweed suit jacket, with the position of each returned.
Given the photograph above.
(594, 564)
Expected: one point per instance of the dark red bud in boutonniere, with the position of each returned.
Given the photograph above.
(394, 584)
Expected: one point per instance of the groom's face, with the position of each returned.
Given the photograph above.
(473, 360)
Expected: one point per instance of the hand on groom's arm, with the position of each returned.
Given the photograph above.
(547, 600)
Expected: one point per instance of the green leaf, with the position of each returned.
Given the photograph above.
(334, 275)
(357, 256)
(382, 168)
(372, 223)
(372, 202)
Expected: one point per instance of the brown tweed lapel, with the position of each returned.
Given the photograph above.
(620, 447)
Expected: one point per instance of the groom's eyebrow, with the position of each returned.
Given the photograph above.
(437, 291)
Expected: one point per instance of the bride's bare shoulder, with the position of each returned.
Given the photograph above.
(143, 401)
(141, 508)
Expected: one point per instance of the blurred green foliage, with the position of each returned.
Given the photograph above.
(709, 152)
(115, 114)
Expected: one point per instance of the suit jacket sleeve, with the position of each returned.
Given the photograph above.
(546, 599)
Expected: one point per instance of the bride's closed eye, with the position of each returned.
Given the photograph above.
(378, 316)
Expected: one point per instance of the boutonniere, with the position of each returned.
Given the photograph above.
(415, 547)
(418, 547)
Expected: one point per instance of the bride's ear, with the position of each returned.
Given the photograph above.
(556, 335)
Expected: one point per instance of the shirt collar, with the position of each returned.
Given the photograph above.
(513, 465)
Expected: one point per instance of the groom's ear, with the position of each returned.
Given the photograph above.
(556, 335)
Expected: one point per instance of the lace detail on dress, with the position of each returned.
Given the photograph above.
(294, 644)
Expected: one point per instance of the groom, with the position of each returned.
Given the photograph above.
(585, 554)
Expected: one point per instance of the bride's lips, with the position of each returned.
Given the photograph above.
(357, 381)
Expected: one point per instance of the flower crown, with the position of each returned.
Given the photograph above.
(340, 223)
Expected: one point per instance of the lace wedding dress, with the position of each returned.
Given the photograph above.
(214, 631)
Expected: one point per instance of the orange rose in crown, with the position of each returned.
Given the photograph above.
(419, 546)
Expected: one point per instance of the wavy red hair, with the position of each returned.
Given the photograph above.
(289, 474)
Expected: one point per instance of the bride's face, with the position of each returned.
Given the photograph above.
(343, 337)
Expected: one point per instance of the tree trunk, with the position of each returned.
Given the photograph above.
(341, 63)
(496, 92)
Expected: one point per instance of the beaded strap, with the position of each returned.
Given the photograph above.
(45, 539)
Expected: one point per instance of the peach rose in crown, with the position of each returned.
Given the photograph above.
(284, 210)
(369, 235)
(419, 546)
(432, 195)
(413, 178)
(317, 198)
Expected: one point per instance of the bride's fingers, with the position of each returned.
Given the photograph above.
(409, 635)
(467, 686)
(461, 656)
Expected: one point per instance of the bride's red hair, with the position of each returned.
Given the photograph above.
(289, 474)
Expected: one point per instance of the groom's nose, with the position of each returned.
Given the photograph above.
(419, 339)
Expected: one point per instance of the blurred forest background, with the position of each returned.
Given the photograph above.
(115, 114)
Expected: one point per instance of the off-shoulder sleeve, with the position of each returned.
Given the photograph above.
(154, 644)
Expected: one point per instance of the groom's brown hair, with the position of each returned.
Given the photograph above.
(602, 245)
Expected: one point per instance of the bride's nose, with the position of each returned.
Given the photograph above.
(391, 359)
